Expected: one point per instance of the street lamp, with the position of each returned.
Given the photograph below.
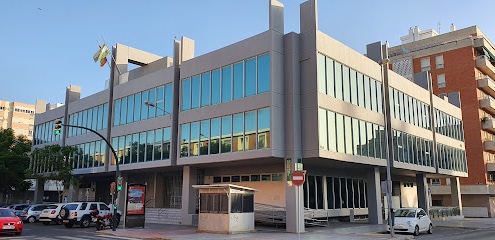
(150, 104)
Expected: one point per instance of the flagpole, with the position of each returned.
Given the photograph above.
(106, 63)
(113, 59)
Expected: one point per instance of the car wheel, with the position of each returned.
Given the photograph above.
(31, 219)
(430, 229)
(85, 221)
(58, 221)
(64, 213)
(69, 225)
(46, 223)
(416, 231)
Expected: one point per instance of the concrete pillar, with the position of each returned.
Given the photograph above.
(189, 195)
(423, 193)
(39, 190)
(374, 197)
(455, 189)
(294, 203)
(73, 193)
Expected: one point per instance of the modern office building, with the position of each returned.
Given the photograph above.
(460, 61)
(18, 116)
(250, 114)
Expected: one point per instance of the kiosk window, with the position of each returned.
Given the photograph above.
(242, 203)
(214, 203)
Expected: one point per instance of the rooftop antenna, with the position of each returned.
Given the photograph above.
(438, 26)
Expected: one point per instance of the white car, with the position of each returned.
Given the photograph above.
(411, 220)
(50, 214)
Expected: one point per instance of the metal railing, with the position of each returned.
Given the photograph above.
(440, 212)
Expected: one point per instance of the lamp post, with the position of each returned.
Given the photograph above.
(151, 104)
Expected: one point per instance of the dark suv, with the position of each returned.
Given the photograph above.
(79, 213)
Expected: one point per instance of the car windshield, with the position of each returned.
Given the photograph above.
(410, 213)
(6, 213)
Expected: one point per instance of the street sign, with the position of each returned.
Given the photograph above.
(112, 188)
(298, 178)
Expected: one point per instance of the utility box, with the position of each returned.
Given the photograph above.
(225, 208)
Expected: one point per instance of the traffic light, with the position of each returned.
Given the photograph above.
(58, 127)
(119, 184)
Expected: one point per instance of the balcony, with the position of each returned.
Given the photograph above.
(488, 104)
(490, 167)
(487, 85)
(488, 124)
(484, 64)
(489, 145)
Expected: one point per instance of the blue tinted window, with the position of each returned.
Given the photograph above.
(226, 134)
(186, 94)
(238, 80)
(264, 128)
(263, 73)
(116, 115)
(205, 89)
(168, 98)
(238, 132)
(215, 86)
(184, 136)
(152, 98)
(123, 112)
(215, 136)
(250, 77)
(227, 84)
(194, 145)
(195, 91)
(144, 109)
(105, 115)
(138, 104)
(160, 93)
(130, 108)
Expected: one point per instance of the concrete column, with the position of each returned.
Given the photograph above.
(374, 197)
(39, 190)
(422, 188)
(73, 194)
(189, 195)
(455, 189)
(294, 203)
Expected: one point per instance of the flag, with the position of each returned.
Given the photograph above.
(103, 61)
(102, 53)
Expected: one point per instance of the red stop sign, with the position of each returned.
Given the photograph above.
(112, 187)
(298, 178)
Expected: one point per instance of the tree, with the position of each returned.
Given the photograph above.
(14, 162)
(55, 163)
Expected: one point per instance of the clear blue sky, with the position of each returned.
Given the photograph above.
(46, 46)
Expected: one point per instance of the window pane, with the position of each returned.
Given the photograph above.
(338, 81)
(226, 134)
(340, 133)
(142, 147)
(346, 84)
(263, 73)
(332, 143)
(185, 128)
(166, 143)
(137, 107)
(227, 84)
(322, 128)
(205, 89)
(116, 115)
(152, 99)
(157, 149)
(144, 109)
(238, 131)
(238, 80)
(186, 94)
(123, 112)
(130, 108)
(195, 91)
(353, 87)
(215, 86)
(322, 87)
(264, 128)
(204, 135)
(250, 131)
(215, 136)
(250, 77)
(194, 146)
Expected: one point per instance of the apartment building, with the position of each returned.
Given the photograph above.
(461, 62)
(250, 114)
(18, 116)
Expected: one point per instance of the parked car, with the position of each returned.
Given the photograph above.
(411, 220)
(9, 222)
(19, 207)
(32, 213)
(79, 213)
(50, 214)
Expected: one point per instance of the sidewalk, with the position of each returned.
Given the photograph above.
(335, 230)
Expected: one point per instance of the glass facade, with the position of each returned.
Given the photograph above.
(93, 118)
(412, 149)
(44, 133)
(342, 82)
(344, 134)
(232, 82)
(89, 155)
(232, 133)
(132, 108)
(451, 158)
(448, 125)
(325, 192)
(143, 146)
(409, 109)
